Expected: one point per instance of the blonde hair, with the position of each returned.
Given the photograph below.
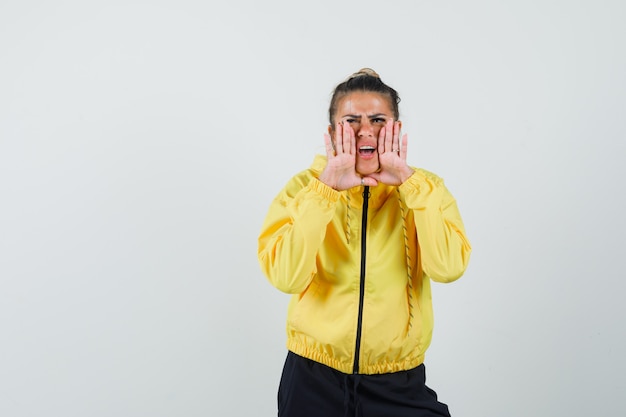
(365, 71)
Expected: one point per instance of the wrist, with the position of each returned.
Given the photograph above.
(327, 181)
(406, 173)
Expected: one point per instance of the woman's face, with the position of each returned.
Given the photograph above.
(366, 113)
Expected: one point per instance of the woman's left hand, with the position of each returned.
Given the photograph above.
(392, 155)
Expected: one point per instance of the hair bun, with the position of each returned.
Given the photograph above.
(365, 72)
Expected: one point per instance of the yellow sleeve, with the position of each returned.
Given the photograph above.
(443, 245)
(293, 231)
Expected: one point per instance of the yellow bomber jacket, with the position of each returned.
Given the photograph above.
(361, 298)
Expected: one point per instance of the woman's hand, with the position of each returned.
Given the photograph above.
(340, 172)
(392, 155)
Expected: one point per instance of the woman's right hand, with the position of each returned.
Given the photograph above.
(340, 172)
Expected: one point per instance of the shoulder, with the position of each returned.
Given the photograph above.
(303, 178)
(428, 175)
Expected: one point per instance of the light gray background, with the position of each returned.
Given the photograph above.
(142, 142)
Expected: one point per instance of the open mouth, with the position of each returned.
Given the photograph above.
(367, 150)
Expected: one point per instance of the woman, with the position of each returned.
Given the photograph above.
(356, 239)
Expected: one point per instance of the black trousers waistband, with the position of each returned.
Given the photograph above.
(308, 388)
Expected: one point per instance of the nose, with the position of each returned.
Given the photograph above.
(366, 128)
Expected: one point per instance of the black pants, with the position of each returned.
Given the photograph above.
(310, 389)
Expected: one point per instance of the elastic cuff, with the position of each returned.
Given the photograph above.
(324, 190)
(414, 183)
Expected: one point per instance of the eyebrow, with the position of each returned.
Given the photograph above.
(371, 116)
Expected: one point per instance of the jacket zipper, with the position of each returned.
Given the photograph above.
(357, 351)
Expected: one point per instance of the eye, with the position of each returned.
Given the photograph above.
(378, 120)
(350, 120)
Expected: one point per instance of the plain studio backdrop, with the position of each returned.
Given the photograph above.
(141, 144)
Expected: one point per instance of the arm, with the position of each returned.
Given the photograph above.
(293, 232)
(444, 248)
